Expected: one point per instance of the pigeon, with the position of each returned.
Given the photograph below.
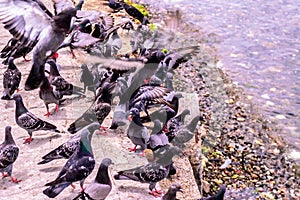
(152, 172)
(167, 111)
(88, 79)
(8, 154)
(127, 25)
(64, 150)
(62, 86)
(97, 112)
(133, 12)
(219, 196)
(28, 22)
(49, 95)
(101, 186)
(136, 131)
(28, 121)
(177, 121)
(184, 133)
(115, 5)
(11, 79)
(77, 168)
(157, 138)
(171, 193)
(114, 42)
(15, 49)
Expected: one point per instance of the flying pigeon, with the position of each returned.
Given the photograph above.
(28, 121)
(152, 172)
(77, 168)
(173, 189)
(64, 150)
(29, 23)
(101, 186)
(8, 154)
(136, 131)
(11, 80)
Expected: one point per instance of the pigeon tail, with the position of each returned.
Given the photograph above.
(54, 190)
(48, 126)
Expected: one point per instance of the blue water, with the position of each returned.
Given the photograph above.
(258, 43)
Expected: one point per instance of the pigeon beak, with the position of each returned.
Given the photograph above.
(130, 116)
(180, 190)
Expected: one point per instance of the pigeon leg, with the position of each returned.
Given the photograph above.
(28, 140)
(48, 113)
(56, 108)
(154, 194)
(14, 180)
(19, 90)
(133, 149)
(73, 186)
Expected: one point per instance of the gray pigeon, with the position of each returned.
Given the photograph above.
(64, 150)
(184, 133)
(98, 111)
(8, 154)
(28, 121)
(101, 186)
(157, 138)
(152, 172)
(77, 168)
(172, 191)
(29, 21)
(49, 95)
(136, 131)
(11, 79)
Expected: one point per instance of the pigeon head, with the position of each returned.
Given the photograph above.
(7, 129)
(107, 162)
(84, 66)
(134, 112)
(17, 97)
(176, 187)
(63, 19)
(11, 64)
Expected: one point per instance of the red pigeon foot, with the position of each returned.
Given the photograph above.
(4, 175)
(28, 140)
(14, 180)
(154, 194)
(73, 186)
(47, 114)
(132, 149)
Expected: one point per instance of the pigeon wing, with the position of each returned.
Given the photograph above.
(25, 20)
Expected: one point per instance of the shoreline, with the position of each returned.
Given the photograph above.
(235, 131)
